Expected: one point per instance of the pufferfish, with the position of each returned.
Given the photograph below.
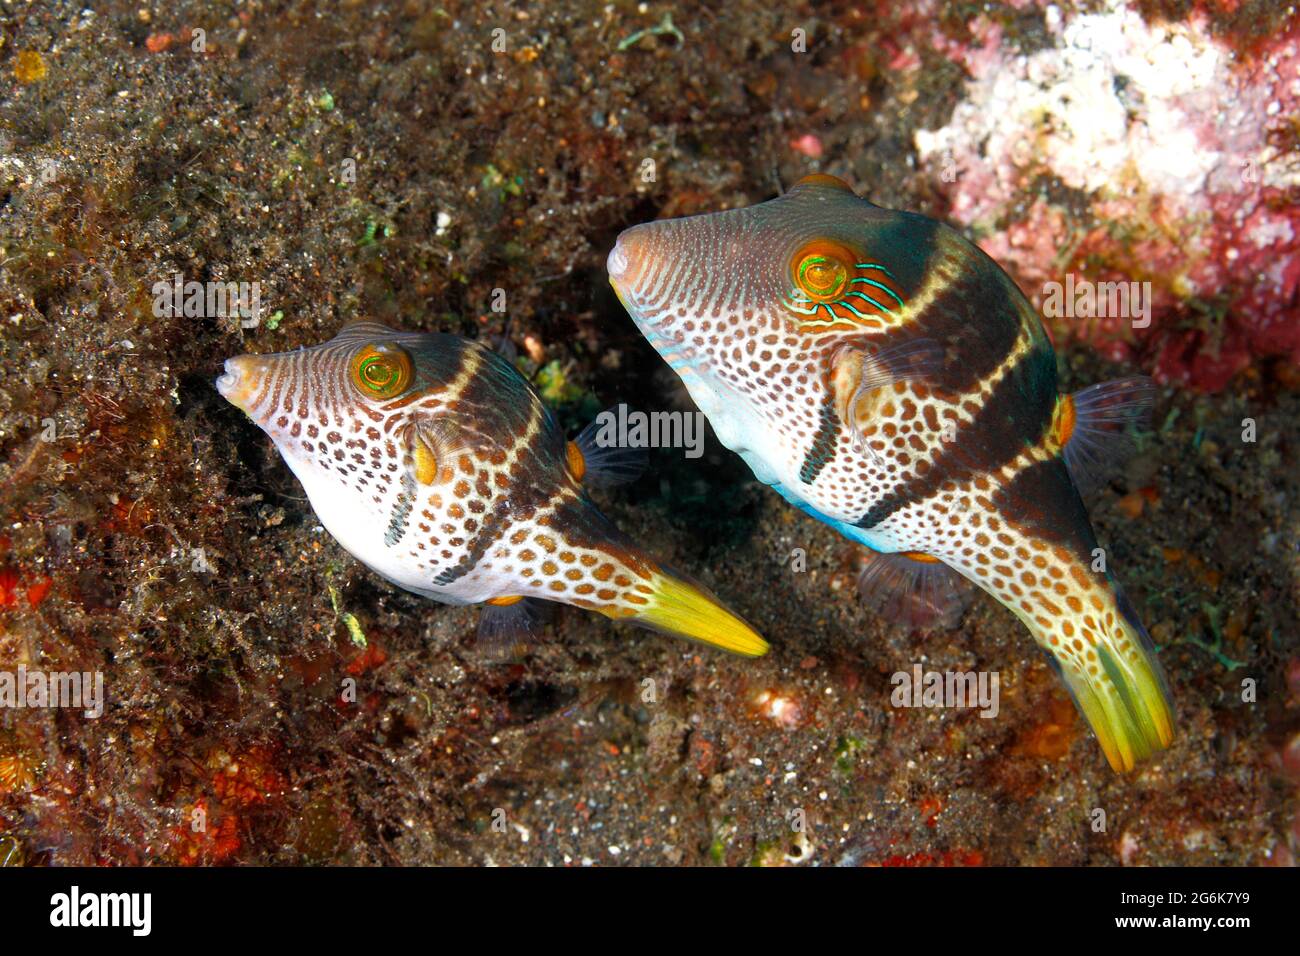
(888, 378)
(433, 462)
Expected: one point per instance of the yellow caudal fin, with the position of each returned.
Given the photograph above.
(632, 586)
(1120, 689)
(684, 609)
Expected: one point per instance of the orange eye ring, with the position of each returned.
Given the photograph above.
(821, 270)
(381, 371)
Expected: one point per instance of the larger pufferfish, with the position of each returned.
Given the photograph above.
(436, 464)
(888, 378)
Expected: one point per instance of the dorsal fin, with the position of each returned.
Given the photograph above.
(602, 464)
(825, 179)
(1096, 426)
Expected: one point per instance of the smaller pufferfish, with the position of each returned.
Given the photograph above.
(433, 462)
(889, 379)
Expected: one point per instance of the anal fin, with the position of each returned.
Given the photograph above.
(913, 590)
(509, 626)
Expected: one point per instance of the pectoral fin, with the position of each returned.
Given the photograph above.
(856, 373)
(435, 444)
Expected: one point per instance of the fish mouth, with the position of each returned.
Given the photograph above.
(628, 262)
(617, 265)
(226, 383)
(618, 261)
(238, 381)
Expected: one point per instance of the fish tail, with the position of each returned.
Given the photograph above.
(684, 608)
(626, 584)
(1042, 561)
(1111, 671)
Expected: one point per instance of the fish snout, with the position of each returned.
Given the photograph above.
(617, 263)
(239, 382)
(629, 259)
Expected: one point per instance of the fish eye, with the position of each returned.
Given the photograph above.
(381, 371)
(821, 270)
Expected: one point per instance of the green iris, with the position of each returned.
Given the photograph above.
(381, 371)
(378, 373)
(822, 276)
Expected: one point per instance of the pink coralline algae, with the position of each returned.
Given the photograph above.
(1151, 154)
